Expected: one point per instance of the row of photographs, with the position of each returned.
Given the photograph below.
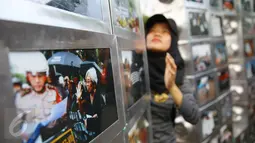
(212, 119)
(126, 11)
(226, 5)
(77, 91)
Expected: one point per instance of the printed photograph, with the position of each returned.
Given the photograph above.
(196, 1)
(185, 132)
(63, 94)
(215, 3)
(216, 22)
(139, 133)
(246, 5)
(90, 8)
(250, 69)
(205, 90)
(133, 76)
(220, 54)
(249, 48)
(202, 57)
(126, 13)
(248, 27)
(224, 80)
(228, 5)
(198, 24)
(210, 120)
(226, 134)
(226, 109)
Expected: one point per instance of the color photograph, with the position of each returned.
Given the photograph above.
(205, 90)
(226, 134)
(248, 48)
(63, 94)
(198, 24)
(196, 1)
(202, 57)
(224, 80)
(90, 8)
(220, 54)
(228, 5)
(226, 109)
(210, 120)
(246, 5)
(133, 76)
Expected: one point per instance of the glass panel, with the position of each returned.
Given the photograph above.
(220, 54)
(226, 109)
(63, 94)
(133, 76)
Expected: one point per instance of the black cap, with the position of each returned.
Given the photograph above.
(159, 18)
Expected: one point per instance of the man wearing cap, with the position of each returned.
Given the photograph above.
(35, 103)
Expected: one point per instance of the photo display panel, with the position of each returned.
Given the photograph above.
(210, 120)
(221, 56)
(228, 5)
(90, 8)
(226, 108)
(132, 63)
(198, 24)
(126, 15)
(139, 133)
(224, 80)
(248, 25)
(249, 48)
(202, 57)
(63, 95)
(205, 89)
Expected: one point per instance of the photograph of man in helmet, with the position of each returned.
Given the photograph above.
(34, 103)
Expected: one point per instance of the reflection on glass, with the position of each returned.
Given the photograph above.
(224, 80)
(228, 5)
(139, 132)
(198, 24)
(126, 15)
(226, 109)
(201, 57)
(249, 48)
(133, 76)
(63, 94)
(221, 54)
(205, 89)
(90, 8)
(210, 120)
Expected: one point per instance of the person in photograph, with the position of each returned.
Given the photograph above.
(170, 91)
(34, 104)
(93, 97)
(17, 85)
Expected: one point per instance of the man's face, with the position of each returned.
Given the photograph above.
(37, 81)
(89, 84)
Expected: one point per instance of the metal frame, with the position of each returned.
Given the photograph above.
(29, 12)
(68, 39)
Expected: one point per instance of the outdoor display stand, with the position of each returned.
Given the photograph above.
(81, 59)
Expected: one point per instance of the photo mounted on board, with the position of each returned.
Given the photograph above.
(202, 57)
(198, 24)
(63, 94)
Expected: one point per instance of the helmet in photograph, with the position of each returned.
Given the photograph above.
(36, 62)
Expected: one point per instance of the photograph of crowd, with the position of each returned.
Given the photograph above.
(197, 1)
(228, 5)
(224, 80)
(210, 120)
(205, 89)
(220, 54)
(246, 5)
(90, 8)
(249, 48)
(226, 109)
(126, 13)
(63, 94)
(133, 76)
(215, 3)
(202, 57)
(198, 24)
